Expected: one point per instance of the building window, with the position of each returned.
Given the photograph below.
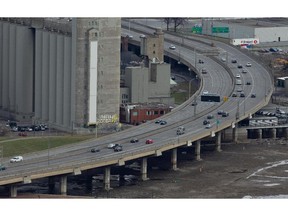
(162, 112)
(135, 113)
(155, 112)
(154, 52)
(154, 45)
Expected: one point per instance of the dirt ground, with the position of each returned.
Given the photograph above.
(239, 170)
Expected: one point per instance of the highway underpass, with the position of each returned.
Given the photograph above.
(77, 159)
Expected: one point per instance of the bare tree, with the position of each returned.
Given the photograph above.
(178, 22)
(167, 21)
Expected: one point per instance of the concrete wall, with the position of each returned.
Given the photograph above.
(16, 70)
(272, 34)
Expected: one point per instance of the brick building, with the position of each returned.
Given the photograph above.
(138, 113)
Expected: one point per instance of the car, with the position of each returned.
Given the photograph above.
(208, 126)
(163, 122)
(223, 59)
(173, 77)
(244, 71)
(210, 116)
(111, 145)
(239, 89)
(204, 71)
(220, 112)
(239, 66)
(158, 121)
(205, 92)
(93, 150)
(16, 159)
(233, 61)
(118, 148)
(200, 61)
(129, 36)
(180, 130)
(234, 94)
(142, 36)
(238, 76)
(149, 141)
(172, 47)
(194, 103)
(248, 64)
(242, 94)
(134, 140)
(253, 95)
(248, 83)
(225, 114)
(205, 122)
(2, 167)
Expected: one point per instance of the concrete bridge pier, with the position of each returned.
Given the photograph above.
(273, 133)
(259, 132)
(198, 150)
(63, 185)
(144, 169)
(13, 190)
(51, 185)
(174, 159)
(218, 141)
(286, 133)
(235, 134)
(107, 178)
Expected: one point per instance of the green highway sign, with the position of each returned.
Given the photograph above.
(220, 29)
(197, 30)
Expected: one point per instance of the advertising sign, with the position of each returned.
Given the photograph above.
(245, 41)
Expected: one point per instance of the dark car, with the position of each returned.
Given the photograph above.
(240, 66)
(200, 61)
(234, 94)
(163, 122)
(205, 122)
(210, 116)
(134, 140)
(2, 167)
(220, 112)
(234, 61)
(253, 95)
(118, 148)
(242, 94)
(194, 103)
(248, 83)
(225, 114)
(158, 121)
(93, 150)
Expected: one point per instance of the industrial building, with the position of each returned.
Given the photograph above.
(64, 72)
(264, 29)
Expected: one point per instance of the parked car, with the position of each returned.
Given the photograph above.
(2, 167)
(149, 141)
(172, 47)
(16, 159)
(134, 140)
(93, 150)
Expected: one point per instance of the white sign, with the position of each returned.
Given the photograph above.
(245, 41)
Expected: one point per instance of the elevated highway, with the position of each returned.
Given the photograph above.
(76, 159)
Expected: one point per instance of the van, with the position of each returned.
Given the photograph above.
(180, 130)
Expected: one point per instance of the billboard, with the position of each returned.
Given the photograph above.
(245, 41)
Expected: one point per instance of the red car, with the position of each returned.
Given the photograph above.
(149, 141)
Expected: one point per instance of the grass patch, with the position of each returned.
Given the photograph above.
(28, 145)
(179, 97)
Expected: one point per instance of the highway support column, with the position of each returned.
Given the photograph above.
(259, 133)
(273, 133)
(235, 134)
(286, 133)
(144, 169)
(13, 190)
(174, 159)
(107, 178)
(63, 185)
(51, 184)
(198, 150)
(218, 141)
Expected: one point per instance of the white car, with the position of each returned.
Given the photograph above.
(238, 76)
(205, 92)
(248, 64)
(16, 159)
(111, 145)
(172, 47)
(142, 36)
(244, 71)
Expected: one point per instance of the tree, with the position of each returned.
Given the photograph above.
(178, 22)
(167, 21)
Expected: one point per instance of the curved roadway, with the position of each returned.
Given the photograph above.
(67, 159)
